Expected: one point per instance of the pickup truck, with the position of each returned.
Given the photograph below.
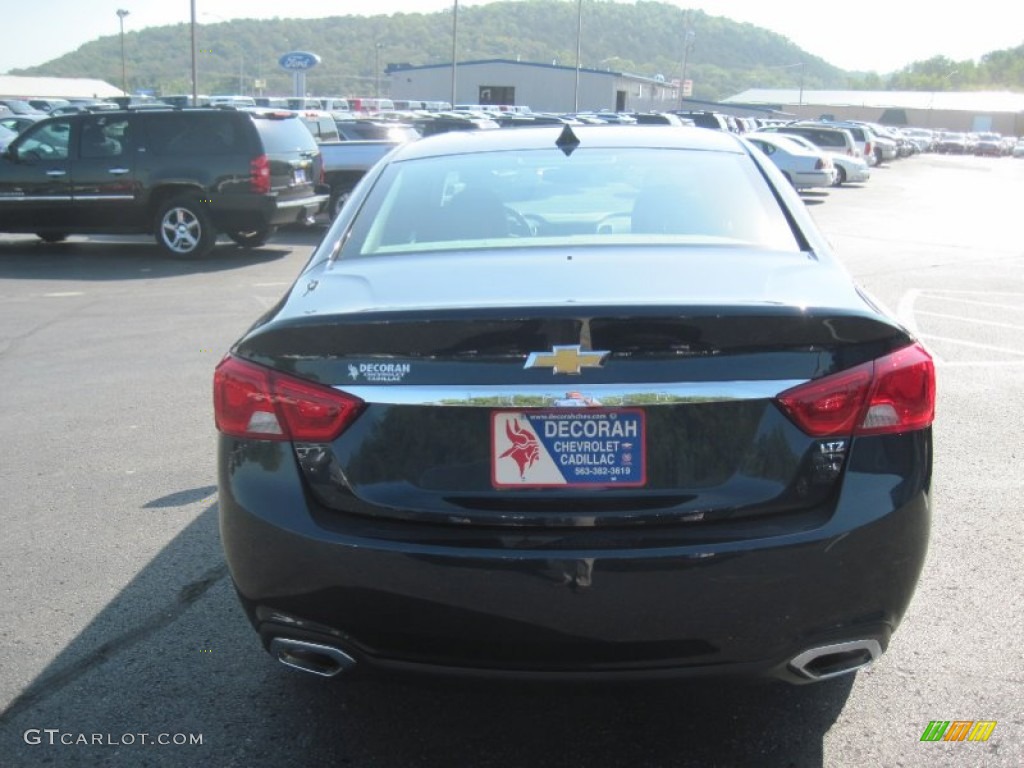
(345, 163)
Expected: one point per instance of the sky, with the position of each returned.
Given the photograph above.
(865, 35)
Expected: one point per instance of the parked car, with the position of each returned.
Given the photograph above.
(321, 124)
(953, 143)
(922, 137)
(19, 123)
(1018, 148)
(368, 129)
(575, 402)
(863, 137)
(703, 118)
(48, 105)
(804, 168)
(344, 165)
(828, 137)
(20, 107)
(6, 137)
(990, 145)
(183, 175)
(848, 169)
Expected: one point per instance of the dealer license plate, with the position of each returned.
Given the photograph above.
(568, 448)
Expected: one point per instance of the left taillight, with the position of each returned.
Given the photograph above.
(259, 174)
(895, 393)
(255, 402)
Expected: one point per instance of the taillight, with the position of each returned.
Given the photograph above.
(867, 149)
(895, 393)
(259, 174)
(256, 402)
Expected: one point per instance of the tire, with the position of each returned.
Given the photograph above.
(184, 229)
(840, 176)
(52, 237)
(338, 200)
(253, 238)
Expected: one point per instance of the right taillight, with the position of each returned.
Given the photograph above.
(895, 393)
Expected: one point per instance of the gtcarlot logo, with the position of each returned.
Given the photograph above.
(55, 736)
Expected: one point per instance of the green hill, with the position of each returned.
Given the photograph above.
(645, 39)
(725, 57)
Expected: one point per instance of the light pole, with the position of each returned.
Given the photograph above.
(121, 13)
(376, 69)
(688, 37)
(195, 83)
(579, 38)
(455, 39)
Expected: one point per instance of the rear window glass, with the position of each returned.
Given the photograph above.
(197, 133)
(284, 135)
(593, 197)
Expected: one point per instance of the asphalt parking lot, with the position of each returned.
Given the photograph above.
(122, 643)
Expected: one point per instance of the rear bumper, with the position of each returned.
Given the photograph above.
(255, 212)
(535, 607)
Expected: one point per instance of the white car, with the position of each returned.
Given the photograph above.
(805, 168)
(848, 169)
(1018, 148)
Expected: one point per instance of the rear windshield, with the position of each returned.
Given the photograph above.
(284, 135)
(595, 196)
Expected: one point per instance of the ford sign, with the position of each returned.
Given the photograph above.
(298, 60)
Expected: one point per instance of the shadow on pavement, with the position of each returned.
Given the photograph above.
(173, 654)
(133, 257)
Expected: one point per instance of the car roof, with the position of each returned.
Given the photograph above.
(541, 137)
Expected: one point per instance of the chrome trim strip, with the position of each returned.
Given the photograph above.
(546, 395)
(104, 197)
(34, 198)
(304, 202)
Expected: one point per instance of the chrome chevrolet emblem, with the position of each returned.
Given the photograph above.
(566, 359)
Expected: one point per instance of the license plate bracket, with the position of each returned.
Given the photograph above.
(568, 448)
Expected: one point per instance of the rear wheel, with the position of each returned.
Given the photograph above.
(338, 200)
(840, 176)
(253, 238)
(184, 228)
(52, 237)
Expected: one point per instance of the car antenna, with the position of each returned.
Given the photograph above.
(567, 140)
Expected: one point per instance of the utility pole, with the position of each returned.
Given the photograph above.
(121, 13)
(688, 37)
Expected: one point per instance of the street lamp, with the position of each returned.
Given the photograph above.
(121, 13)
(455, 39)
(376, 69)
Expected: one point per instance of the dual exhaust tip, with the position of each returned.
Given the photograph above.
(820, 663)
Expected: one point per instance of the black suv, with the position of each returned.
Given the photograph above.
(182, 174)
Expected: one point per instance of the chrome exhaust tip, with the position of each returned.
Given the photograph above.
(828, 661)
(323, 660)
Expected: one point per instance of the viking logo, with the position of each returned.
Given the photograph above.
(525, 450)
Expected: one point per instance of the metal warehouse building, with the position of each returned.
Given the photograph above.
(542, 87)
(998, 111)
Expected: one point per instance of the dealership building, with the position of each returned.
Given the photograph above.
(541, 87)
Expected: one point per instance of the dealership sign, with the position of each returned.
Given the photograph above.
(298, 61)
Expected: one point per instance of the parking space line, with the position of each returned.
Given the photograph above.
(990, 305)
(973, 344)
(963, 319)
